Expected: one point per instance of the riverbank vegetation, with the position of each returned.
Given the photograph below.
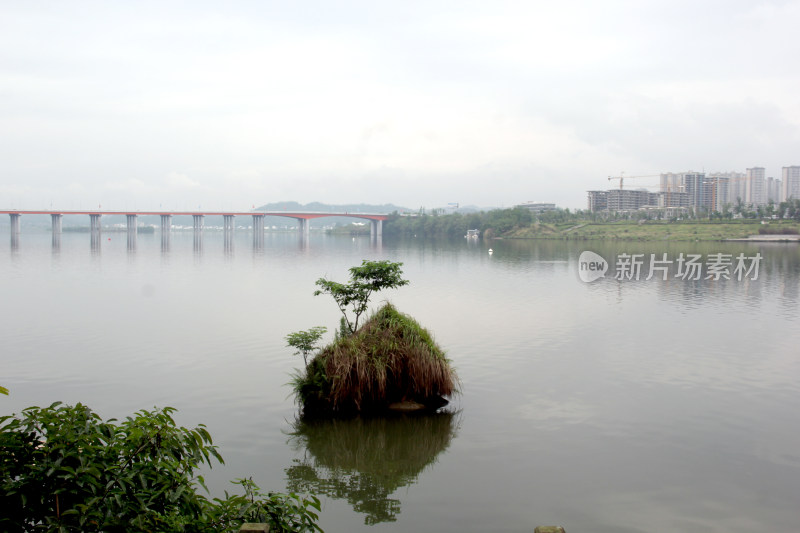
(64, 469)
(563, 224)
(388, 360)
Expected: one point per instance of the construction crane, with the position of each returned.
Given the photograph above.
(622, 177)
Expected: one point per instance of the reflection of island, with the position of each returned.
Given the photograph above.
(364, 460)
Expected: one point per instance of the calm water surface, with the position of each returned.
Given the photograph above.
(612, 406)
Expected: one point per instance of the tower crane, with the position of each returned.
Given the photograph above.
(622, 177)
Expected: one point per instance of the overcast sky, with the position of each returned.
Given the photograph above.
(225, 105)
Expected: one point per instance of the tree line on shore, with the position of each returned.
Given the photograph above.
(497, 222)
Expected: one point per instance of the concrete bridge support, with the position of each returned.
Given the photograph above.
(131, 221)
(15, 223)
(258, 232)
(166, 230)
(133, 232)
(303, 226)
(94, 222)
(96, 232)
(198, 232)
(376, 229)
(166, 223)
(227, 223)
(228, 227)
(197, 221)
(15, 230)
(56, 219)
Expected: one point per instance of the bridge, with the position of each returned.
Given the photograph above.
(376, 220)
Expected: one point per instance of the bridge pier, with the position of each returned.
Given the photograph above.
(198, 232)
(166, 228)
(376, 229)
(227, 223)
(303, 226)
(166, 223)
(133, 231)
(197, 221)
(131, 222)
(258, 232)
(94, 222)
(56, 219)
(15, 223)
(228, 227)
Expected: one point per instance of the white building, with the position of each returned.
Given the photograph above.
(729, 186)
(790, 183)
(755, 188)
(773, 190)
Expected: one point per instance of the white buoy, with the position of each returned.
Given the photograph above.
(491, 251)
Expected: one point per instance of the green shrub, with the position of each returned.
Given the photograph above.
(62, 468)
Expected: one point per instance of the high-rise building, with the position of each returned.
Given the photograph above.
(773, 190)
(627, 200)
(696, 188)
(598, 200)
(755, 188)
(728, 188)
(621, 200)
(790, 183)
(671, 182)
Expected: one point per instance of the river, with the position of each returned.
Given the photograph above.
(613, 405)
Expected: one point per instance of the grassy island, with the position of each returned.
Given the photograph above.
(391, 359)
(388, 362)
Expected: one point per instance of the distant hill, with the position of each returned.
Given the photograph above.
(290, 206)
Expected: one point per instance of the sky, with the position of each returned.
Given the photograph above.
(225, 105)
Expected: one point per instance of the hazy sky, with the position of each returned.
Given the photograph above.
(136, 105)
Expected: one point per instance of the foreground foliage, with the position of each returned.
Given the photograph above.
(62, 468)
(391, 358)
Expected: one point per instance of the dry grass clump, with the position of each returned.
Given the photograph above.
(391, 358)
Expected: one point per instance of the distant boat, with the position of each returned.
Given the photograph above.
(472, 234)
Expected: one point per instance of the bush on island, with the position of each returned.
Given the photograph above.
(391, 359)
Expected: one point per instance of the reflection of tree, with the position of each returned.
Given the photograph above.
(364, 460)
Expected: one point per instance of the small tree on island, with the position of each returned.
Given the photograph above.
(370, 277)
(305, 342)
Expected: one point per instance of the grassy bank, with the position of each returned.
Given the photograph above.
(651, 230)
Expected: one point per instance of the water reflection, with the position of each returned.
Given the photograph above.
(95, 239)
(228, 242)
(132, 238)
(365, 460)
(165, 241)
